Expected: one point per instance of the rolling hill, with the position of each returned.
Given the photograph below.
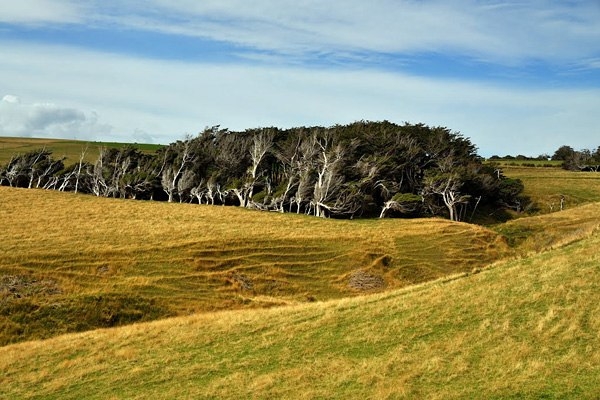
(522, 328)
(78, 262)
(224, 302)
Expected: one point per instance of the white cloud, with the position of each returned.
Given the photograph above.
(9, 98)
(41, 11)
(505, 32)
(497, 31)
(161, 101)
(47, 120)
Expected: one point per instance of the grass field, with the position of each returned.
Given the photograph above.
(76, 262)
(223, 302)
(526, 163)
(71, 149)
(545, 186)
(524, 328)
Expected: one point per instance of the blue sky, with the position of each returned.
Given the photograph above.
(516, 77)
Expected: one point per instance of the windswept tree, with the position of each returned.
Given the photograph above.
(232, 161)
(176, 158)
(404, 204)
(361, 169)
(32, 170)
(261, 142)
(448, 187)
(329, 179)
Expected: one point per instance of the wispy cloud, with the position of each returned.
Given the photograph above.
(32, 12)
(164, 100)
(516, 77)
(499, 32)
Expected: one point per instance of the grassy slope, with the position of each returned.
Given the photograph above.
(71, 149)
(525, 328)
(76, 262)
(545, 186)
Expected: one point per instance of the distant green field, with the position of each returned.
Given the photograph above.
(71, 149)
(525, 163)
(546, 186)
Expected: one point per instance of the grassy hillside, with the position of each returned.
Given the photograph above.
(71, 149)
(545, 186)
(543, 232)
(77, 262)
(525, 328)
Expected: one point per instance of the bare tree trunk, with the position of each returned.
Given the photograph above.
(78, 175)
(33, 167)
(261, 144)
(328, 180)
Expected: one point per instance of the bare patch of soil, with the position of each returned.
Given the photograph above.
(365, 281)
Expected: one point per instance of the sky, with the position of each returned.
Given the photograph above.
(515, 77)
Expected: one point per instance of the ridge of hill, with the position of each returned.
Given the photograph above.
(522, 328)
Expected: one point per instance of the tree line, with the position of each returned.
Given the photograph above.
(571, 159)
(368, 169)
(578, 160)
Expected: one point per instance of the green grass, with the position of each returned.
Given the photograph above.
(526, 163)
(525, 328)
(71, 149)
(76, 262)
(545, 186)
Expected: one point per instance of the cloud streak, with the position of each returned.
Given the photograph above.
(35, 12)
(501, 31)
(516, 77)
(504, 32)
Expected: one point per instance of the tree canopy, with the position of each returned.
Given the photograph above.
(369, 169)
(578, 160)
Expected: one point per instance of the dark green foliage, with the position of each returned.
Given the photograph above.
(578, 160)
(360, 169)
(563, 153)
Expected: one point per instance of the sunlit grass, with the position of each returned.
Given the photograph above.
(113, 262)
(546, 186)
(526, 328)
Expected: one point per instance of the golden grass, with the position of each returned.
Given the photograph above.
(548, 231)
(114, 262)
(525, 328)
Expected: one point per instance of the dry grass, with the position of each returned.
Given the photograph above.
(120, 261)
(548, 231)
(522, 329)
